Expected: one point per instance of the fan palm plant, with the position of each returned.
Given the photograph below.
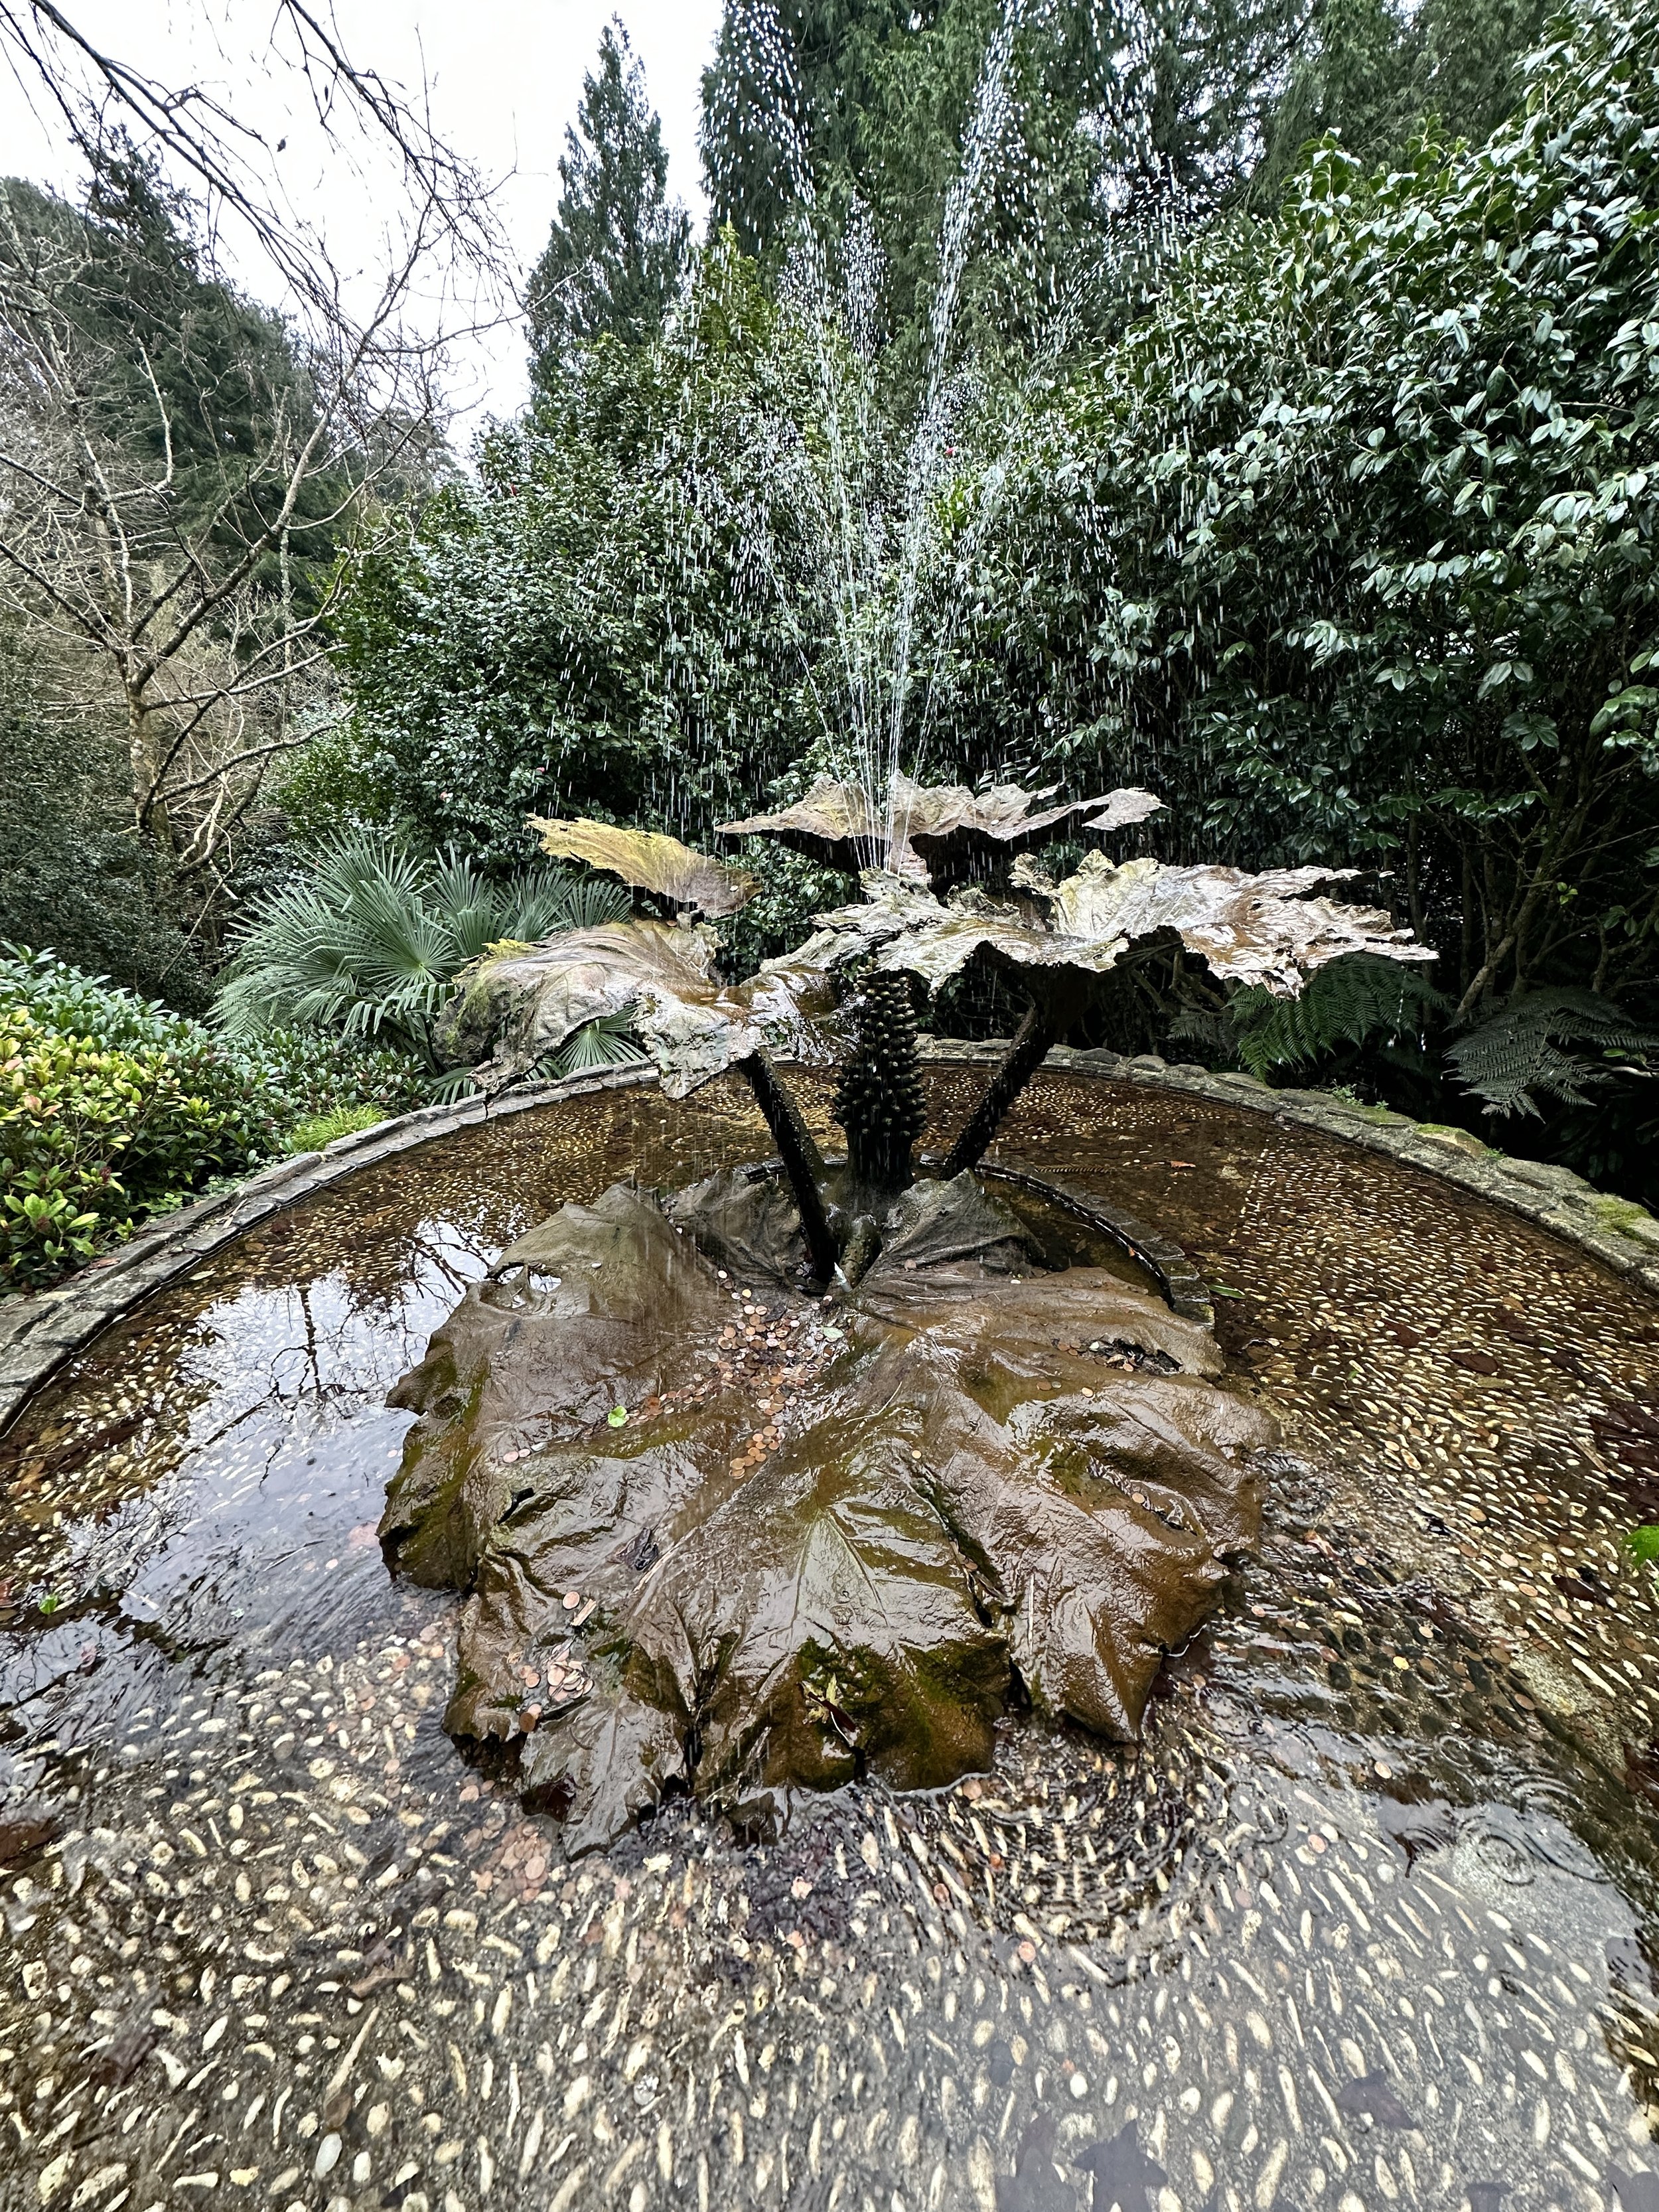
(369, 943)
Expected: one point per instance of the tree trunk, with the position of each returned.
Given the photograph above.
(149, 809)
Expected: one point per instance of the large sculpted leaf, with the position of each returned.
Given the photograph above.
(520, 1004)
(1249, 929)
(782, 1583)
(1125, 808)
(917, 831)
(647, 861)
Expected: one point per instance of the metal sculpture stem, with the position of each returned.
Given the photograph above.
(1039, 1029)
(802, 1162)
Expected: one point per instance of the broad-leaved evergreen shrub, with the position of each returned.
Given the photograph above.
(113, 1108)
(93, 1135)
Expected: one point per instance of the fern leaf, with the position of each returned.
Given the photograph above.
(1349, 1001)
(1524, 1048)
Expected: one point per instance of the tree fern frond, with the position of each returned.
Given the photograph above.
(1349, 1001)
(1522, 1050)
(1210, 1031)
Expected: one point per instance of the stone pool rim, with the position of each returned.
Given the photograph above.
(39, 1334)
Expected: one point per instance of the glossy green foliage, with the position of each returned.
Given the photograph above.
(113, 1108)
(317, 1072)
(108, 1106)
(592, 627)
(1345, 545)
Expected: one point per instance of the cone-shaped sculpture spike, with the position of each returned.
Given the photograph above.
(879, 1101)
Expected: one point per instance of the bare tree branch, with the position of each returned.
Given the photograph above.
(153, 538)
(229, 161)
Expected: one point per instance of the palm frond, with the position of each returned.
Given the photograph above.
(1525, 1048)
(468, 901)
(585, 901)
(370, 942)
(606, 1042)
(455, 1083)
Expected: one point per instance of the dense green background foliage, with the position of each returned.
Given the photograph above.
(1348, 545)
(1341, 534)
(581, 629)
(114, 1107)
(73, 874)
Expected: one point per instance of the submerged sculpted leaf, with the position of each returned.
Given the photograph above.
(650, 862)
(785, 1585)
(917, 832)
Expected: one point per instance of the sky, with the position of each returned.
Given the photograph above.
(504, 78)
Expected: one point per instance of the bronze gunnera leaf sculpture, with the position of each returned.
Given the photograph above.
(740, 1546)
(1063, 941)
(931, 832)
(520, 1004)
(647, 861)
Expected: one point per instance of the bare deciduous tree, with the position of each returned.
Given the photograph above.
(191, 597)
(179, 473)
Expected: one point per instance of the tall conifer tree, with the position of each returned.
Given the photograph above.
(616, 254)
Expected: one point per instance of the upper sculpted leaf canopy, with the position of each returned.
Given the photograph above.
(931, 833)
(1247, 928)
(649, 861)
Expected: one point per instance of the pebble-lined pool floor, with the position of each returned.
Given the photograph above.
(1367, 1920)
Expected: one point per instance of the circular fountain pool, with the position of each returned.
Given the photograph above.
(1365, 1920)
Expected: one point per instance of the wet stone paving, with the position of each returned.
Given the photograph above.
(1366, 1920)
